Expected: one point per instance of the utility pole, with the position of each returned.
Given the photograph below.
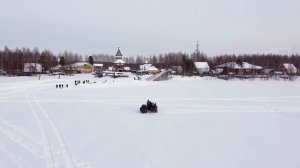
(197, 48)
(197, 51)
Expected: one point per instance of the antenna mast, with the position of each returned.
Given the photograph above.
(197, 47)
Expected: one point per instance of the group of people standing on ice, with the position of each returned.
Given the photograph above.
(61, 86)
(77, 82)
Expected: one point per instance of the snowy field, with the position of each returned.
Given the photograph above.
(201, 122)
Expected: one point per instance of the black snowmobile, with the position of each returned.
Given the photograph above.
(150, 107)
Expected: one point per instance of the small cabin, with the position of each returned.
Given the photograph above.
(32, 68)
(98, 68)
(202, 68)
(239, 68)
(148, 69)
(83, 67)
(287, 68)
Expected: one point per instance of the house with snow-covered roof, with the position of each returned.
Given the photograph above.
(83, 67)
(32, 68)
(148, 69)
(98, 67)
(202, 68)
(239, 68)
(288, 68)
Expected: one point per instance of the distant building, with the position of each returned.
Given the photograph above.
(202, 67)
(148, 69)
(242, 68)
(153, 70)
(145, 67)
(2, 72)
(119, 63)
(98, 67)
(83, 67)
(118, 69)
(56, 70)
(268, 71)
(32, 68)
(288, 68)
(177, 69)
(127, 69)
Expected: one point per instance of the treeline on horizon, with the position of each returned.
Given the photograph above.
(13, 59)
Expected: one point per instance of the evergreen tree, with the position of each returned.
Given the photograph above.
(91, 60)
(62, 61)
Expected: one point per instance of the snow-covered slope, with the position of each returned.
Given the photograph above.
(201, 122)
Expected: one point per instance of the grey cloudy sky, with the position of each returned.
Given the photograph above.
(151, 27)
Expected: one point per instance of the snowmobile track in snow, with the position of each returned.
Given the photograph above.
(11, 156)
(18, 139)
(63, 148)
(48, 123)
(46, 146)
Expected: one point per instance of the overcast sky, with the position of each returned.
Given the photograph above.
(152, 27)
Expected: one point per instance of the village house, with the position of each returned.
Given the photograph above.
(202, 68)
(287, 68)
(32, 68)
(57, 70)
(148, 69)
(98, 68)
(83, 67)
(239, 68)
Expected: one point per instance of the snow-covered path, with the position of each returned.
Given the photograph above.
(201, 123)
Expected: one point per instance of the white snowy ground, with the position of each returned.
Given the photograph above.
(202, 122)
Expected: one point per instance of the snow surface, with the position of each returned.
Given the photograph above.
(202, 122)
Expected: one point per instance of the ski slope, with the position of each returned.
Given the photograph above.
(202, 122)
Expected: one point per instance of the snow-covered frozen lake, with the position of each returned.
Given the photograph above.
(202, 122)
